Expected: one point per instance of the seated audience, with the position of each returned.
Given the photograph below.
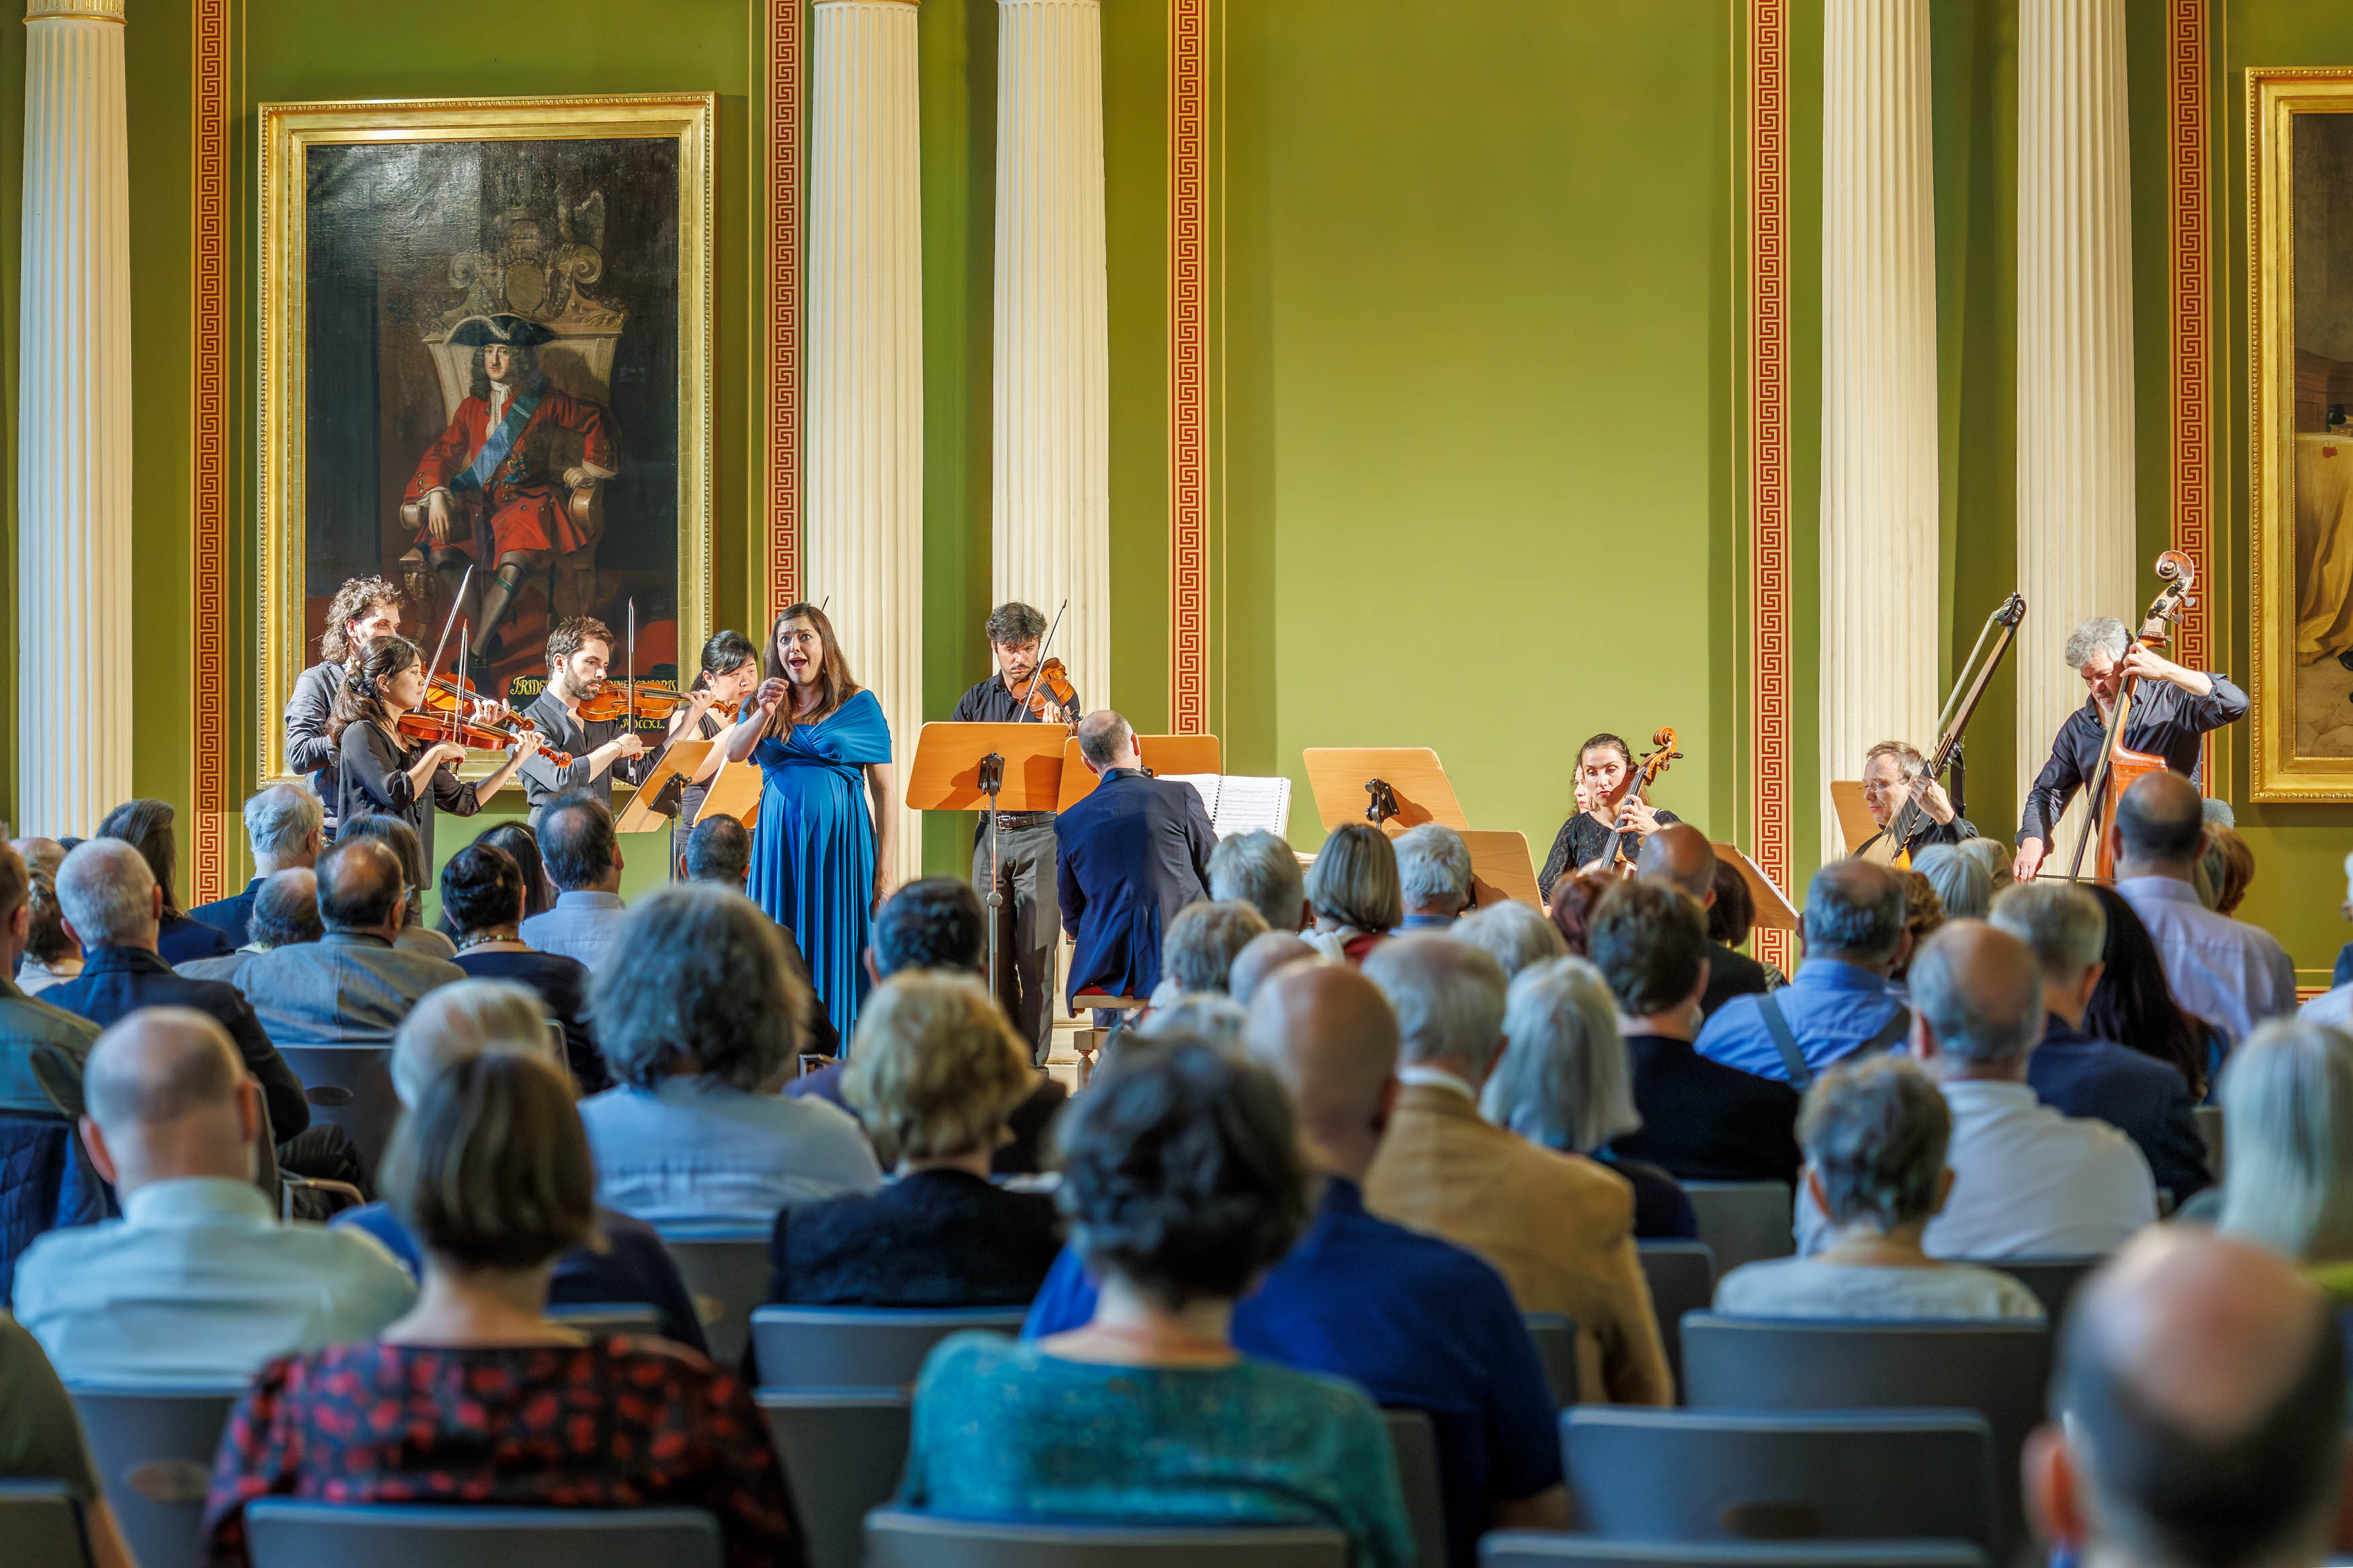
(1875, 1132)
(1924, 911)
(491, 1172)
(2078, 1075)
(2287, 1121)
(2027, 1182)
(2197, 1413)
(2230, 867)
(199, 1278)
(1563, 1081)
(51, 954)
(934, 1070)
(482, 895)
(1183, 1184)
(42, 1441)
(112, 906)
(41, 1048)
(353, 986)
(2132, 1005)
(1353, 888)
(146, 826)
(1839, 1003)
(699, 1029)
(627, 1261)
(1995, 857)
(1259, 870)
(521, 840)
(285, 828)
(1433, 876)
(1964, 886)
(718, 850)
(1512, 934)
(284, 913)
(583, 856)
(1197, 955)
(395, 834)
(1574, 894)
(1204, 1015)
(1701, 1121)
(1261, 957)
(1558, 1229)
(1414, 1322)
(1731, 916)
(2225, 971)
(1681, 856)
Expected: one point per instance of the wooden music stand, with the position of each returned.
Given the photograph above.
(1501, 871)
(1163, 755)
(1854, 817)
(1773, 910)
(735, 792)
(679, 762)
(991, 767)
(1341, 776)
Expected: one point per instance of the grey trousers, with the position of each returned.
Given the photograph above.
(1028, 927)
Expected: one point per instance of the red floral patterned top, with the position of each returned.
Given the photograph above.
(620, 1422)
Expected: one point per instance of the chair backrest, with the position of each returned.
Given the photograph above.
(897, 1539)
(1414, 1441)
(49, 1180)
(843, 1451)
(154, 1449)
(606, 1317)
(1707, 1475)
(1533, 1549)
(287, 1534)
(1744, 1222)
(859, 1347)
(726, 1271)
(2209, 1127)
(1681, 1277)
(1555, 1337)
(2053, 1280)
(40, 1526)
(350, 1086)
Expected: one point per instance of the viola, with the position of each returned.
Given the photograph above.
(649, 703)
(2121, 767)
(1049, 691)
(419, 725)
(1646, 773)
(446, 694)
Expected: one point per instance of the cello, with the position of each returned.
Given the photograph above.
(1955, 721)
(2121, 767)
(1613, 858)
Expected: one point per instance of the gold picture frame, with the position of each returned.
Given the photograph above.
(289, 134)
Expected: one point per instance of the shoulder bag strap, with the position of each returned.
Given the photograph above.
(1768, 1008)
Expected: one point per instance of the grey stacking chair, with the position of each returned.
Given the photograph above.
(843, 1451)
(1681, 1277)
(2209, 1127)
(603, 1316)
(40, 1526)
(1744, 1222)
(897, 1539)
(350, 1086)
(284, 1533)
(860, 1347)
(726, 1269)
(1414, 1441)
(153, 1448)
(1531, 1549)
(1556, 1338)
(2053, 1280)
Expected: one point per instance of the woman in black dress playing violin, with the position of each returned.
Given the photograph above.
(1605, 780)
(390, 758)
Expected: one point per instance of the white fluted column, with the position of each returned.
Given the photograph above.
(2075, 549)
(73, 425)
(1881, 660)
(1050, 534)
(865, 349)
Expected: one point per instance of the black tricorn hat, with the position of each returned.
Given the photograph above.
(475, 332)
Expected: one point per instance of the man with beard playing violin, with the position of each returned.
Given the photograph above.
(578, 653)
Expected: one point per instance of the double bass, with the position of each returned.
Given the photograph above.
(1614, 859)
(2001, 628)
(2121, 767)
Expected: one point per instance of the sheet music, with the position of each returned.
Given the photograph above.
(1248, 804)
(1204, 784)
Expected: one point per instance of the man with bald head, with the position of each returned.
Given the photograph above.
(1839, 1005)
(1128, 857)
(353, 986)
(198, 1280)
(1415, 1321)
(2197, 1413)
(1261, 957)
(1679, 856)
(2232, 974)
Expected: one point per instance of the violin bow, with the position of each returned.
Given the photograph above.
(457, 608)
(1045, 650)
(630, 677)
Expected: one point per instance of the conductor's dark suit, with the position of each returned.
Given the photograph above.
(1131, 854)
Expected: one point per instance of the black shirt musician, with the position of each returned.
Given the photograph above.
(731, 673)
(363, 607)
(1030, 924)
(1893, 773)
(2173, 710)
(379, 769)
(579, 651)
(1605, 797)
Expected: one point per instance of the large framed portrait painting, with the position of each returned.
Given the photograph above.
(486, 375)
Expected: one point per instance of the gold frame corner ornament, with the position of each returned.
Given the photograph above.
(287, 131)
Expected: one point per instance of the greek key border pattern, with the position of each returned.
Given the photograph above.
(780, 333)
(1189, 367)
(2191, 346)
(1768, 449)
(210, 402)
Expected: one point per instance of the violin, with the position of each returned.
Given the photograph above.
(1646, 773)
(2121, 767)
(419, 725)
(1049, 691)
(651, 702)
(444, 694)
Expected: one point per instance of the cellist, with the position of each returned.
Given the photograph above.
(2173, 710)
(1893, 775)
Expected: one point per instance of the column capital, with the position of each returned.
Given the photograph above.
(829, 4)
(73, 10)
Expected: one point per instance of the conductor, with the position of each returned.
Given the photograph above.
(1131, 853)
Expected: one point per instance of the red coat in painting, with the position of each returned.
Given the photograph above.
(524, 496)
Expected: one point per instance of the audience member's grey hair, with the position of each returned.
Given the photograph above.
(1993, 855)
(1986, 1029)
(1875, 1132)
(1203, 940)
(106, 893)
(1963, 885)
(1853, 907)
(286, 910)
(2219, 812)
(2287, 1124)
(719, 850)
(279, 821)
(706, 991)
(1433, 865)
(2063, 924)
(2100, 633)
(1447, 996)
(1259, 870)
(1198, 1015)
(1511, 933)
(1563, 1079)
(464, 1019)
(1103, 735)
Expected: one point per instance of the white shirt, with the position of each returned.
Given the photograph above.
(2230, 973)
(699, 1151)
(585, 925)
(33, 976)
(199, 1280)
(2334, 1009)
(1437, 1077)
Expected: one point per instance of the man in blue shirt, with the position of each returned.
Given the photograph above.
(1415, 1321)
(1839, 1003)
(1434, 875)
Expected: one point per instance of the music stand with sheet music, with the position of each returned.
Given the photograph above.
(679, 761)
(1162, 755)
(991, 768)
(1396, 787)
(1502, 870)
(1773, 910)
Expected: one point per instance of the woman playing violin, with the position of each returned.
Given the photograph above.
(382, 769)
(1605, 778)
(731, 671)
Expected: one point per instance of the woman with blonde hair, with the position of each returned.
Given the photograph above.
(2287, 1128)
(1353, 890)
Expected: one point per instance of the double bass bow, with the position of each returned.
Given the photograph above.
(1614, 859)
(1961, 705)
(2120, 766)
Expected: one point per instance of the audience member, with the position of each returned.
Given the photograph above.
(1198, 954)
(482, 895)
(2287, 1121)
(1512, 934)
(521, 840)
(2197, 1413)
(41, 1048)
(934, 1070)
(583, 856)
(1261, 870)
(51, 955)
(1733, 917)
(199, 1278)
(1129, 855)
(699, 1028)
(2231, 974)
(1559, 1229)
(1433, 876)
(2230, 866)
(1702, 1121)
(1681, 856)
(1840, 1004)
(42, 1441)
(285, 828)
(1875, 1132)
(1924, 911)
(2333, 1008)
(395, 834)
(1964, 886)
(1261, 957)
(146, 826)
(491, 1172)
(284, 913)
(1574, 894)
(1207, 1015)
(351, 986)
(1183, 1181)
(2133, 1005)
(2079, 1076)
(1995, 857)
(1563, 1081)
(1353, 888)
(718, 850)
(626, 1261)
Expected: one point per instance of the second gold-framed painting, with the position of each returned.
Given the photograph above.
(486, 375)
